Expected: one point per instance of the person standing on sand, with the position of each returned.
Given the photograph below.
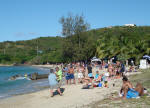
(122, 68)
(89, 68)
(80, 74)
(53, 83)
(66, 74)
(59, 76)
(71, 75)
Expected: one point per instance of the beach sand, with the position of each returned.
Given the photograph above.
(73, 97)
(47, 66)
(6, 64)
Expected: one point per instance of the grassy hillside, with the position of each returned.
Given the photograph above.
(25, 51)
(123, 42)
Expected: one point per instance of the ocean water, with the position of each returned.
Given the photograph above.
(21, 85)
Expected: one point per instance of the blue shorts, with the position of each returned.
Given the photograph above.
(71, 76)
(132, 94)
(67, 77)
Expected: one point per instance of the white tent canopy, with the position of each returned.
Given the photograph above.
(146, 57)
(94, 59)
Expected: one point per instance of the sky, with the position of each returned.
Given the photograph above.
(29, 19)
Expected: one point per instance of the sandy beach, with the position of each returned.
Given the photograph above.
(6, 64)
(73, 97)
(47, 66)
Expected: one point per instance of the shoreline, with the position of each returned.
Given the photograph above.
(40, 66)
(73, 96)
(26, 93)
(6, 64)
(47, 66)
(20, 90)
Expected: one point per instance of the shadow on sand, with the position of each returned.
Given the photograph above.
(56, 92)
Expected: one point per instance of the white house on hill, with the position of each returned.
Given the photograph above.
(130, 25)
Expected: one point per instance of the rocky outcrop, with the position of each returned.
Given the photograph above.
(33, 76)
(36, 76)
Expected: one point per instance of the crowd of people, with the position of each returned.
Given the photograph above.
(84, 74)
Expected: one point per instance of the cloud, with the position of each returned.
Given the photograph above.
(20, 34)
(33, 33)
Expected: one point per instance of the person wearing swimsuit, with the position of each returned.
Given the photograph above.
(71, 75)
(80, 74)
(128, 91)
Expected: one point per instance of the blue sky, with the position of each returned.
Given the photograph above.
(28, 19)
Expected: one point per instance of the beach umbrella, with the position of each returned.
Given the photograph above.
(146, 57)
(94, 59)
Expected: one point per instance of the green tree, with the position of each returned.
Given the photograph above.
(124, 42)
(73, 28)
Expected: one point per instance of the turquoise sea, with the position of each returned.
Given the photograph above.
(21, 85)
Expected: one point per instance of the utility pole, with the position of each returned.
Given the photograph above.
(15, 49)
(4, 50)
(37, 48)
(37, 51)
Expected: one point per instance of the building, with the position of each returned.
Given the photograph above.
(130, 25)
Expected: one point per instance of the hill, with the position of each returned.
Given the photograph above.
(121, 41)
(32, 51)
(124, 42)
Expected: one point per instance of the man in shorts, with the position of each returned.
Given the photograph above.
(128, 91)
(71, 75)
(89, 68)
(66, 74)
(59, 76)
